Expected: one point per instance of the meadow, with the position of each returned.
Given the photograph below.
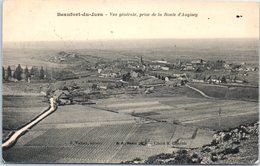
(246, 93)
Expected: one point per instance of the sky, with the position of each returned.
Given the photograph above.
(37, 20)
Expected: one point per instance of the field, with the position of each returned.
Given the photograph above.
(24, 89)
(19, 110)
(116, 130)
(231, 92)
(199, 112)
(109, 143)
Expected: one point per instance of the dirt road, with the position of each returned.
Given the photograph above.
(17, 134)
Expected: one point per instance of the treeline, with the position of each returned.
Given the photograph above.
(23, 74)
(35, 73)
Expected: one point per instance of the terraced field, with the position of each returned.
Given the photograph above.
(116, 130)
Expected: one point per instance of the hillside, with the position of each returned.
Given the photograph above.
(246, 93)
(236, 146)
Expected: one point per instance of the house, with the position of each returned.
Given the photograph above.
(199, 78)
(62, 97)
(233, 78)
(134, 74)
(158, 61)
(165, 68)
(99, 71)
(198, 62)
(155, 67)
(149, 90)
(133, 84)
(196, 80)
(189, 67)
(178, 64)
(102, 86)
(219, 64)
(222, 79)
(235, 66)
(215, 81)
(178, 75)
(107, 73)
(117, 71)
(227, 66)
(240, 79)
(139, 71)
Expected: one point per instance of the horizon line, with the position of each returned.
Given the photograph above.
(130, 39)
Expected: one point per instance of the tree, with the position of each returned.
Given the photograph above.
(34, 72)
(18, 72)
(26, 72)
(9, 72)
(162, 78)
(41, 73)
(47, 73)
(15, 75)
(3, 73)
(94, 86)
(142, 62)
(223, 79)
(126, 77)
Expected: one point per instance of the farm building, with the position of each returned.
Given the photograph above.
(189, 67)
(63, 97)
(165, 68)
(160, 61)
(198, 63)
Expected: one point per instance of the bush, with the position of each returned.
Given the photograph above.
(151, 160)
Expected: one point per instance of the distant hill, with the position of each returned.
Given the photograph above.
(230, 50)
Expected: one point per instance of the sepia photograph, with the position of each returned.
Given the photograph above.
(130, 82)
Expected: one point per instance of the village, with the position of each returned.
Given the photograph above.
(102, 78)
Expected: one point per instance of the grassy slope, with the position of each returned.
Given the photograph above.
(19, 110)
(223, 92)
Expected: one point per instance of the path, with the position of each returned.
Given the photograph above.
(202, 93)
(17, 134)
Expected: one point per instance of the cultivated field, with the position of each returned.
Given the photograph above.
(116, 130)
(107, 143)
(185, 110)
(19, 110)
